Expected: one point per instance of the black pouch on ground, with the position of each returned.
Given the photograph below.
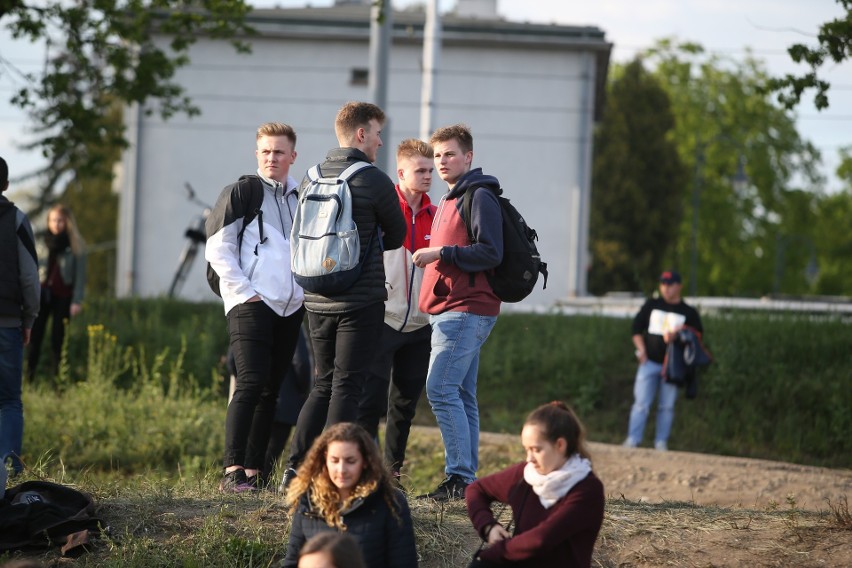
(41, 514)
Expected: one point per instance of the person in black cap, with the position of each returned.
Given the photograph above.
(654, 326)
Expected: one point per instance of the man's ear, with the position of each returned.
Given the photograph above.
(360, 134)
(293, 160)
(468, 158)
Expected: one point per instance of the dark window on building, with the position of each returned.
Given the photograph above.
(360, 76)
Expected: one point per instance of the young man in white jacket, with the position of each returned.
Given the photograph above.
(248, 246)
(402, 358)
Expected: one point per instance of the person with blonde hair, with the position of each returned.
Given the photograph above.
(331, 550)
(342, 486)
(63, 281)
(248, 247)
(402, 355)
(557, 502)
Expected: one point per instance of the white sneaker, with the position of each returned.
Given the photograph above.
(660, 445)
(628, 443)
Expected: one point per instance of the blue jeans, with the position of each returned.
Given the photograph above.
(649, 382)
(11, 408)
(451, 386)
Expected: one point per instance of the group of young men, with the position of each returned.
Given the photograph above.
(417, 315)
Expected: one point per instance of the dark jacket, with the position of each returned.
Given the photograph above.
(19, 285)
(655, 347)
(457, 281)
(562, 536)
(385, 541)
(374, 202)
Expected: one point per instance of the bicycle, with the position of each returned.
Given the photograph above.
(196, 236)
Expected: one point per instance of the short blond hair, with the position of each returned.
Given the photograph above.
(459, 132)
(277, 129)
(413, 148)
(354, 115)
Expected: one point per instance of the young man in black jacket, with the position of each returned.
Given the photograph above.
(345, 327)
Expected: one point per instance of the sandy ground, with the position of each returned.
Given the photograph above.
(649, 475)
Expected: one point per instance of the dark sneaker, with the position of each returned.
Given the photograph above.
(450, 489)
(236, 482)
(289, 475)
(258, 481)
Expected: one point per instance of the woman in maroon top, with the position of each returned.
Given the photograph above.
(557, 501)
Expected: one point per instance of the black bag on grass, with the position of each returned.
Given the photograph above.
(41, 514)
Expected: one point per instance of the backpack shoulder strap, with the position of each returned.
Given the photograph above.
(353, 169)
(314, 173)
(467, 201)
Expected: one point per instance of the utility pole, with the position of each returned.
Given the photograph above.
(381, 26)
(431, 62)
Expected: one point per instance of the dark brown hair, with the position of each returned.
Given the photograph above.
(557, 420)
(342, 548)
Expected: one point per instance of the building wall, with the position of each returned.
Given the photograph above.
(525, 106)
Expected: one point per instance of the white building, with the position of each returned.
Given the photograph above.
(529, 92)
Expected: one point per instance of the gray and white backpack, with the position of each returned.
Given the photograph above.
(326, 248)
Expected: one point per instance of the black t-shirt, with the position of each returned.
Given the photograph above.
(655, 317)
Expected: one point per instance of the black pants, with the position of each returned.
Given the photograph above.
(262, 343)
(343, 347)
(60, 310)
(402, 361)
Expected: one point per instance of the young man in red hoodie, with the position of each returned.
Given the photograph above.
(402, 358)
(462, 307)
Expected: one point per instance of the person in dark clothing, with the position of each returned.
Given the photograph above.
(331, 550)
(345, 327)
(63, 281)
(557, 501)
(402, 356)
(343, 486)
(656, 324)
(19, 305)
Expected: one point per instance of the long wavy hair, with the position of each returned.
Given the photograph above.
(78, 245)
(312, 477)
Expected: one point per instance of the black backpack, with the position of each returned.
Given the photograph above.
(38, 514)
(250, 190)
(515, 277)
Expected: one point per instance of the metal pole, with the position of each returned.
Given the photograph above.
(381, 22)
(431, 61)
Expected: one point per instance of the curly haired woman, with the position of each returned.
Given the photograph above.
(343, 486)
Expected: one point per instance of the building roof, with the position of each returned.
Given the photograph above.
(352, 21)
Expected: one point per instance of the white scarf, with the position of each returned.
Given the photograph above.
(553, 486)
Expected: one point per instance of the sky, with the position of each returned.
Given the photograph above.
(724, 27)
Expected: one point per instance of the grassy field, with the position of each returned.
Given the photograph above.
(136, 416)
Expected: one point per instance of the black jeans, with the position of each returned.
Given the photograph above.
(59, 309)
(402, 361)
(343, 346)
(262, 343)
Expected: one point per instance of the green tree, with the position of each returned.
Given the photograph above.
(103, 53)
(638, 184)
(832, 237)
(835, 44)
(724, 115)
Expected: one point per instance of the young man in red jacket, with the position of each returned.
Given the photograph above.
(462, 307)
(402, 358)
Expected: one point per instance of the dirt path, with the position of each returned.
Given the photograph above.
(654, 477)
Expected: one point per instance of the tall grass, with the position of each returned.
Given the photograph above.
(142, 388)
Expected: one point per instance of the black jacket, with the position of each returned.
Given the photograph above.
(385, 541)
(374, 202)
